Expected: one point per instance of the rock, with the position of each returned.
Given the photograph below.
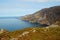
(1, 31)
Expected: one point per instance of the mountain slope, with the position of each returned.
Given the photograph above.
(45, 16)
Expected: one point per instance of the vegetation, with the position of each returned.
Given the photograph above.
(46, 33)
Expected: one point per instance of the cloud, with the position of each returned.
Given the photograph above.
(43, 0)
(39, 0)
(36, 0)
(29, 1)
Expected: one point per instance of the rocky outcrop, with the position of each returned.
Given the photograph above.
(45, 16)
(4, 35)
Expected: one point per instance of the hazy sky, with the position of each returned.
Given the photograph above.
(23, 7)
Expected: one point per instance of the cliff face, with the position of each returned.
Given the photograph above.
(32, 18)
(45, 16)
(51, 15)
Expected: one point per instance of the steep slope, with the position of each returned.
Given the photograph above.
(45, 16)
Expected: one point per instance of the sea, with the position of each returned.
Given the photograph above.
(13, 23)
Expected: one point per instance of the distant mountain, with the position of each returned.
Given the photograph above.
(45, 16)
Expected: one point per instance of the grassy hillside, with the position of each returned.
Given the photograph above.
(46, 33)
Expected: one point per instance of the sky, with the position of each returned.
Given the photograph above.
(24, 7)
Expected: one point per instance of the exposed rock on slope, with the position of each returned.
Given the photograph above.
(45, 16)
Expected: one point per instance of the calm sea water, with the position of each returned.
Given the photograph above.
(13, 24)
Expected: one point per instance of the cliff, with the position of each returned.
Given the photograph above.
(45, 16)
